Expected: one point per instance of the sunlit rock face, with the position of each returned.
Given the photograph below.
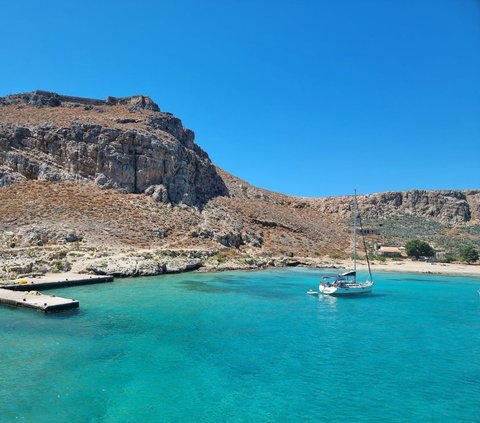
(125, 143)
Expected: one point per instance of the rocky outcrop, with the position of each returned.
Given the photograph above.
(48, 99)
(445, 206)
(9, 177)
(37, 237)
(148, 264)
(159, 158)
(223, 227)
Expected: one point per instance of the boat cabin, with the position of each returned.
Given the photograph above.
(339, 279)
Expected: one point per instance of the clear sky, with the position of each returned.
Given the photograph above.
(304, 97)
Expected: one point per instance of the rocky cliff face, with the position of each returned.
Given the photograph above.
(445, 206)
(125, 143)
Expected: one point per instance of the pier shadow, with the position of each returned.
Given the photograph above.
(63, 314)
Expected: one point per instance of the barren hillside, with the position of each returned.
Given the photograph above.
(119, 176)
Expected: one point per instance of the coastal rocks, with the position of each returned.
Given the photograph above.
(173, 261)
(147, 264)
(287, 262)
(38, 260)
(160, 158)
(182, 265)
(227, 259)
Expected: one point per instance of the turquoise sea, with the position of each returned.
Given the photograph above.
(246, 347)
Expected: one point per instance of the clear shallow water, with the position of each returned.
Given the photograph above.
(246, 347)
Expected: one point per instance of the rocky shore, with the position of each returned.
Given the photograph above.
(63, 262)
(33, 262)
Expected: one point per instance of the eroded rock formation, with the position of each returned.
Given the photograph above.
(133, 146)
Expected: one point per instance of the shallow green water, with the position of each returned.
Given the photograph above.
(246, 347)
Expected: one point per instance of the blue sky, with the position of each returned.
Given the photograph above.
(303, 97)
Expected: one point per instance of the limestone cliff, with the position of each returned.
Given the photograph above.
(125, 143)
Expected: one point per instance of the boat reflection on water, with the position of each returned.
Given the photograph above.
(328, 299)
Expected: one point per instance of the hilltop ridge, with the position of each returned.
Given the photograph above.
(41, 98)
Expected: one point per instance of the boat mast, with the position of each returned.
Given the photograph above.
(357, 214)
(355, 234)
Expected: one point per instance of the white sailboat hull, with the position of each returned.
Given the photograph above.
(346, 288)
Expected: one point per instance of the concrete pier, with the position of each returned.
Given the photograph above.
(54, 281)
(23, 292)
(35, 300)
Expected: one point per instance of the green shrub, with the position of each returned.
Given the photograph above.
(418, 248)
(58, 266)
(468, 254)
(447, 258)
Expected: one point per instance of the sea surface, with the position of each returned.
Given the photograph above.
(246, 347)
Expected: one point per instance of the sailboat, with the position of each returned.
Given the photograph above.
(346, 283)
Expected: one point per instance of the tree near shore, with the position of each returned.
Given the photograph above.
(418, 248)
(468, 253)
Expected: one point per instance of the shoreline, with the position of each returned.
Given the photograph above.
(410, 266)
(403, 266)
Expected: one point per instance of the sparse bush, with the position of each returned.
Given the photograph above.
(56, 255)
(468, 254)
(395, 256)
(447, 258)
(58, 266)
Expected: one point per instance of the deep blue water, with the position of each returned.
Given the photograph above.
(246, 347)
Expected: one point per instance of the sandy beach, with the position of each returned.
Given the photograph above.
(410, 266)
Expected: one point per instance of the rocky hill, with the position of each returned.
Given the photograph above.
(119, 186)
(125, 143)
